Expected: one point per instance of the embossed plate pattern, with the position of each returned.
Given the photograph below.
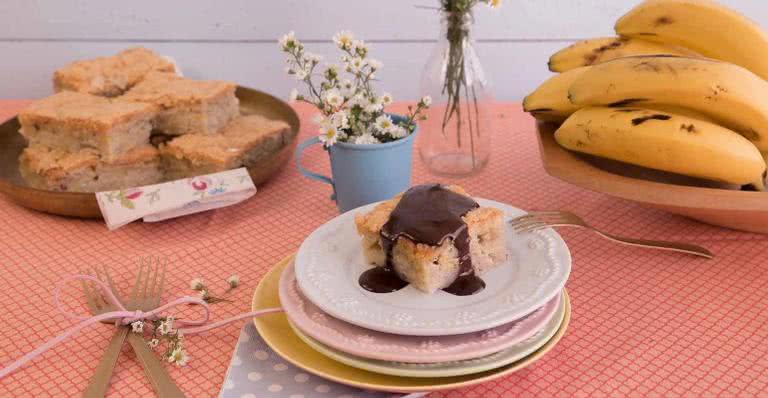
(367, 343)
(330, 261)
(445, 369)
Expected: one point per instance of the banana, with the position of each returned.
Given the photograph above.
(664, 141)
(704, 26)
(550, 101)
(731, 95)
(596, 51)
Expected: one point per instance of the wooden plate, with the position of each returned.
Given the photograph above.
(76, 204)
(278, 334)
(709, 202)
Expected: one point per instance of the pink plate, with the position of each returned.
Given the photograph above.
(371, 344)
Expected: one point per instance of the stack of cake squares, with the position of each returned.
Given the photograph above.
(97, 132)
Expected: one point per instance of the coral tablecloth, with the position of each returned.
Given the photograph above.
(644, 323)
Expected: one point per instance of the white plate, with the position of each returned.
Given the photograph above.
(445, 369)
(330, 261)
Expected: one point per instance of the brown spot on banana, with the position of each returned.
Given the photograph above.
(647, 66)
(640, 120)
(750, 134)
(626, 102)
(664, 20)
(690, 128)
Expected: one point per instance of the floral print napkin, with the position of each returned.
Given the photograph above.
(175, 198)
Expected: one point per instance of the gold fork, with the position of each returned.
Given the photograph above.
(145, 296)
(540, 220)
(150, 299)
(99, 383)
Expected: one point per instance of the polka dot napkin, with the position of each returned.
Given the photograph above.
(256, 371)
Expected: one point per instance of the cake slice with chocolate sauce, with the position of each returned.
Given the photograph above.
(433, 237)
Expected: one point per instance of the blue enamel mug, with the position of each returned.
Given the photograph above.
(365, 173)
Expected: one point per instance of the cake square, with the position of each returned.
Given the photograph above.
(430, 268)
(84, 171)
(110, 76)
(244, 141)
(187, 106)
(73, 121)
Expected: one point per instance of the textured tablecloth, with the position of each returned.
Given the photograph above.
(644, 322)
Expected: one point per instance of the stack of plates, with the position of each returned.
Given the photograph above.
(407, 340)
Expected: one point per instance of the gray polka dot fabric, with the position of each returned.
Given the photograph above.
(256, 371)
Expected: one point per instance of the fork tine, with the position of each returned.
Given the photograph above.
(546, 213)
(152, 282)
(145, 281)
(554, 218)
(527, 222)
(98, 295)
(530, 226)
(111, 284)
(137, 283)
(88, 295)
(161, 284)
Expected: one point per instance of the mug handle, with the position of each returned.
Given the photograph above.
(306, 173)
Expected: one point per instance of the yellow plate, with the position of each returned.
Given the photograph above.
(277, 333)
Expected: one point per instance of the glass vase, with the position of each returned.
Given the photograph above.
(456, 137)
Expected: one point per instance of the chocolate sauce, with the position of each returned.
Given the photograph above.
(381, 280)
(427, 214)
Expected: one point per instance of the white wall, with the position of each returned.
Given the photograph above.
(236, 39)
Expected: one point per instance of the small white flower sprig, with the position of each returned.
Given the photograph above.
(350, 109)
(199, 286)
(162, 331)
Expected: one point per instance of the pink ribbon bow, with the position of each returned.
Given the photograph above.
(123, 316)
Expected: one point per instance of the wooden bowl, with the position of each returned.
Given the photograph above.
(709, 202)
(76, 204)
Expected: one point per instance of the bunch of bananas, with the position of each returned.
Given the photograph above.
(682, 89)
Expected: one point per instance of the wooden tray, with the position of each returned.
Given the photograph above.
(712, 203)
(84, 205)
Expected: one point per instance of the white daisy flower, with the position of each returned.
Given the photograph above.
(494, 3)
(366, 139)
(292, 97)
(334, 98)
(375, 64)
(137, 327)
(373, 105)
(398, 132)
(300, 73)
(288, 41)
(233, 281)
(384, 123)
(347, 88)
(197, 283)
(178, 357)
(360, 47)
(314, 58)
(329, 135)
(343, 40)
(426, 100)
(153, 343)
(386, 99)
(355, 65)
(358, 100)
(166, 326)
(340, 120)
